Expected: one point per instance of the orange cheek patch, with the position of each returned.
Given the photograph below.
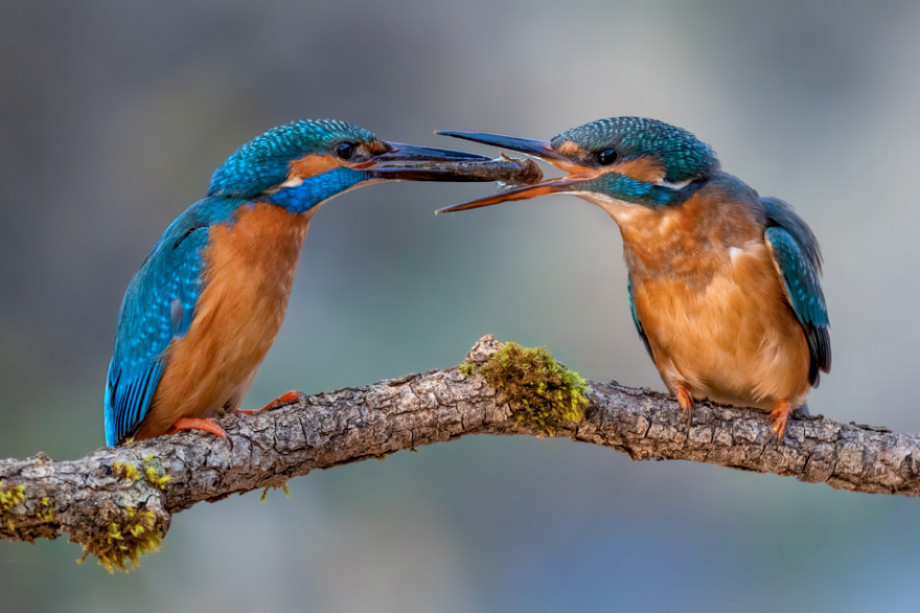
(312, 165)
(647, 170)
(568, 148)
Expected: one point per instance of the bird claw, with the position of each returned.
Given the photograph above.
(780, 416)
(208, 424)
(684, 398)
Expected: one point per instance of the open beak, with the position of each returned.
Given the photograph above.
(537, 148)
(415, 163)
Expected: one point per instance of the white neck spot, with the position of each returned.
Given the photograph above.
(675, 186)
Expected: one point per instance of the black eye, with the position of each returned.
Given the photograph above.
(345, 150)
(607, 156)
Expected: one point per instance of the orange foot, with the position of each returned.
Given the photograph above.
(286, 398)
(780, 414)
(191, 423)
(684, 399)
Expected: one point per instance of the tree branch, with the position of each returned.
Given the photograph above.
(118, 502)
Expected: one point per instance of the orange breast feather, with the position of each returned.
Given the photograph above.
(249, 270)
(712, 305)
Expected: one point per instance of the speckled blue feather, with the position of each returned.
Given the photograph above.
(263, 162)
(684, 156)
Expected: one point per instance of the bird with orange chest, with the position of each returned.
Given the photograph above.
(199, 316)
(723, 284)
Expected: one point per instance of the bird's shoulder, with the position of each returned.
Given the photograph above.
(780, 214)
(728, 191)
(170, 273)
(202, 215)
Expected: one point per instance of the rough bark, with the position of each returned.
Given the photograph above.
(122, 499)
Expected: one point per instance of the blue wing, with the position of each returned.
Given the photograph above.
(798, 258)
(635, 318)
(158, 306)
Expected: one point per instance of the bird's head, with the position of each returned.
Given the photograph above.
(300, 164)
(614, 162)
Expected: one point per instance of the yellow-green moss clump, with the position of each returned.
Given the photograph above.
(468, 368)
(155, 473)
(541, 391)
(127, 540)
(45, 511)
(10, 496)
(125, 471)
(152, 471)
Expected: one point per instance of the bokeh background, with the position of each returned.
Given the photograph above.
(114, 115)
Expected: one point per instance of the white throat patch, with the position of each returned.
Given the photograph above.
(675, 186)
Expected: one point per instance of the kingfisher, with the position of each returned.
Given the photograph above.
(723, 284)
(199, 316)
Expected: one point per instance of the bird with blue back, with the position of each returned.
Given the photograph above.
(723, 284)
(199, 316)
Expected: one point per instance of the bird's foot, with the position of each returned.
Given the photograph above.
(779, 415)
(192, 423)
(286, 398)
(684, 399)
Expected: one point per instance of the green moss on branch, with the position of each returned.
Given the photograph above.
(129, 537)
(542, 393)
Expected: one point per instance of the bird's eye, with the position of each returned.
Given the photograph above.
(606, 156)
(345, 150)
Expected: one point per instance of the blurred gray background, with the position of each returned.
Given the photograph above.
(114, 115)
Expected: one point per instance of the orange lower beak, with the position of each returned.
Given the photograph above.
(549, 186)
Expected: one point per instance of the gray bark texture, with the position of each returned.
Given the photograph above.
(118, 502)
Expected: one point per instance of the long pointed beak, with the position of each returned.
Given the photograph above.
(404, 162)
(538, 148)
